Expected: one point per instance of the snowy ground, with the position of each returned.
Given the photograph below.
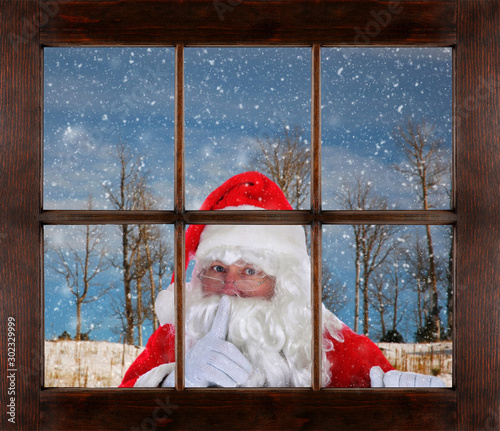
(103, 364)
(431, 358)
(87, 363)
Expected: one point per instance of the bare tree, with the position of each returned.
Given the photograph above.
(334, 292)
(125, 196)
(379, 299)
(398, 285)
(372, 243)
(151, 252)
(147, 237)
(385, 291)
(376, 246)
(142, 247)
(140, 268)
(80, 269)
(424, 164)
(163, 262)
(417, 263)
(285, 159)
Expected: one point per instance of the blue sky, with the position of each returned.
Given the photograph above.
(97, 97)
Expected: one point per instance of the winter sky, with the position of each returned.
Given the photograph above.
(95, 98)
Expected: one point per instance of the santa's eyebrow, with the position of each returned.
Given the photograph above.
(217, 263)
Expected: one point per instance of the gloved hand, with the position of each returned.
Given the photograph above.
(399, 379)
(213, 361)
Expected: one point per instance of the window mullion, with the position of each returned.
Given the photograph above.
(179, 280)
(179, 208)
(316, 304)
(316, 209)
(179, 183)
(316, 130)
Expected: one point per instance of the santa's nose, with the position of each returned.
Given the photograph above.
(233, 274)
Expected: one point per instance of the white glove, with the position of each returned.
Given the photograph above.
(214, 361)
(399, 379)
(154, 377)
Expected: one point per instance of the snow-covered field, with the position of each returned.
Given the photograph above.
(103, 364)
(431, 358)
(87, 363)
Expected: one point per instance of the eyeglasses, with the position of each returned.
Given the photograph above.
(249, 278)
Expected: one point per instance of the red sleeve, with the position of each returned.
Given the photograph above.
(351, 360)
(160, 349)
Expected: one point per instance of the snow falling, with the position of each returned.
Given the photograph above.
(98, 98)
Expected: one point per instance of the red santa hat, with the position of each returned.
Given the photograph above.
(246, 191)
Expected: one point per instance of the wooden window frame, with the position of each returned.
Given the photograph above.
(472, 28)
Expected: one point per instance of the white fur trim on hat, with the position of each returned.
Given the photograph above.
(284, 240)
(165, 306)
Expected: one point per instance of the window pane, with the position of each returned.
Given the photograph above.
(250, 286)
(387, 121)
(245, 109)
(104, 106)
(386, 282)
(95, 279)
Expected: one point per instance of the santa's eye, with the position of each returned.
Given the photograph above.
(250, 271)
(218, 268)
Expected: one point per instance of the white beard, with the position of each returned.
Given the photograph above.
(274, 335)
(279, 353)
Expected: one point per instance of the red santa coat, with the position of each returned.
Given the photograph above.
(350, 360)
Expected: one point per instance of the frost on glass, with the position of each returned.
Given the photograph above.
(100, 284)
(394, 284)
(386, 122)
(108, 116)
(247, 109)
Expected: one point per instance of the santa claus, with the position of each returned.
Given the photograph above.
(248, 310)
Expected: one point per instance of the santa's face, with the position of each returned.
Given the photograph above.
(239, 279)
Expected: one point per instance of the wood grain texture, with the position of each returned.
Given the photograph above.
(161, 22)
(179, 166)
(478, 203)
(179, 199)
(179, 264)
(316, 309)
(316, 231)
(316, 129)
(70, 217)
(19, 206)
(219, 409)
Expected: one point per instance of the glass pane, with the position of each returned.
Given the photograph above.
(387, 282)
(105, 108)
(249, 286)
(245, 109)
(100, 286)
(387, 121)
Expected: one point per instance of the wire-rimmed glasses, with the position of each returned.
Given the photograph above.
(246, 278)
